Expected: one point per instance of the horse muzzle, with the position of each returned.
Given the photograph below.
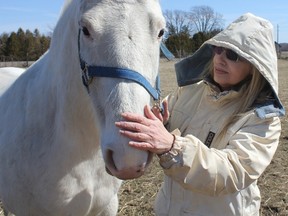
(127, 172)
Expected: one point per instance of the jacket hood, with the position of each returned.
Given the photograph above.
(250, 37)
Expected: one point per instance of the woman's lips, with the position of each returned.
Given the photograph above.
(220, 71)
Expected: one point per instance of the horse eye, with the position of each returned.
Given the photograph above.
(161, 33)
(85, 31)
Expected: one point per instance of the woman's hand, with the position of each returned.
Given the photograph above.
(146, 132)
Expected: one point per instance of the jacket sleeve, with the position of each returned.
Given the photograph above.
(214, 172)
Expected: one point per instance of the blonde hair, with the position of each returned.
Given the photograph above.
(254, 91)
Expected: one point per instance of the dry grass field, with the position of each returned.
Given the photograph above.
(137, 196)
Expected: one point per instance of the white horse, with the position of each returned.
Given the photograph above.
(7, 76)
(52, 126)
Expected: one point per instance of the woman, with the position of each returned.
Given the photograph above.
(224, 123)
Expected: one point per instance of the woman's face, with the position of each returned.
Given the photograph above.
(229, 68)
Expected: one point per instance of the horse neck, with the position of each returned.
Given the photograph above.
(63, 54)
(74, 106)
(73, 103)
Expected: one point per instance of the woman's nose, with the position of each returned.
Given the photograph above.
(220, 58)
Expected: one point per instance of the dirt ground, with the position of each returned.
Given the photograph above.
(137, 196)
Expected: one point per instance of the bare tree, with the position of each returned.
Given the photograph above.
(178, 37)
(205, 19)
(176, 21)
(182, 25)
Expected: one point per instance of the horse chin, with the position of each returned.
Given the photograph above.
(126, 173)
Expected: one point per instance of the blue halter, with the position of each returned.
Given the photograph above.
(88, 72)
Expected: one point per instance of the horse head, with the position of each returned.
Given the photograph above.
(117, 35)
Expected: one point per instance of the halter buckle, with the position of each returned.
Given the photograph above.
(158, 105)
(86, 79)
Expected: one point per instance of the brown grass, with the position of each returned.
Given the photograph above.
(137, 196)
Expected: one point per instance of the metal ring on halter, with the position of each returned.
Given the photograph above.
(158, 105)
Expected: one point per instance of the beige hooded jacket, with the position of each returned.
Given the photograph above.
(210, 175)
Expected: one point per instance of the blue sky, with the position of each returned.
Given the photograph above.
(43, 14)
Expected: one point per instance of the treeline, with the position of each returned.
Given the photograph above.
(23, 45)
(183, 44)
(188, 30)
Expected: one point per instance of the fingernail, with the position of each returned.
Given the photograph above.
(123, 114)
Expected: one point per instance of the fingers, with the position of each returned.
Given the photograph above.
(149, 113)
(165, 105)
(131, 126)
(157, 113)
(137, 140)
(145, 132)
(136, 137)
(166, 111)
(131, 117)
(164, 115)
(141, 145)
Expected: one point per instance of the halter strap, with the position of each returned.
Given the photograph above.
(113, 72)
(88, 72)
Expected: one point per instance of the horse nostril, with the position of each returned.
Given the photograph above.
(110, 164)
(108, 171)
